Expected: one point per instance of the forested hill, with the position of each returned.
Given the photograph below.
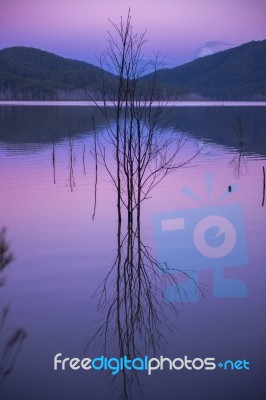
(32, 74)
(235, 74)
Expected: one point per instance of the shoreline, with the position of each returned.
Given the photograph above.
(154, 104)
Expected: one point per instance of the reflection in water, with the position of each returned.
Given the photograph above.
(83, 159)
(136, 313)
(29, 128)
(263, 190)
(53, 159)
(68, 265)
(72, 160)
(239, 164)
(95, 155)
(131, 295)
(10, 345)
(239, 161)
(134, 307)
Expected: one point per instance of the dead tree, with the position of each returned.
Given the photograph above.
(144, 152)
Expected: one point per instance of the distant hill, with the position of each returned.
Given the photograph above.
(32, 74)
(234, 74)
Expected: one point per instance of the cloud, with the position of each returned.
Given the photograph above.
(211, 47)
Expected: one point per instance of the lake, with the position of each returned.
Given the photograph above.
(206, 219)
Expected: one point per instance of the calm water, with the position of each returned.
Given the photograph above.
(62, 255)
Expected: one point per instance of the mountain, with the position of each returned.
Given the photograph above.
(235, 74)
(32, 74)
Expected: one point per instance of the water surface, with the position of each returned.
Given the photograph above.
(62, 255)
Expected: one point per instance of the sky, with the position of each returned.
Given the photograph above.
(181, 30)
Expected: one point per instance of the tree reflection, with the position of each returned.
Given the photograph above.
(71, 179)
(239, 160)
(10, 345)
(137, 316)
(53, 159)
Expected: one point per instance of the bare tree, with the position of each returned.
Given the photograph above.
(144, 152)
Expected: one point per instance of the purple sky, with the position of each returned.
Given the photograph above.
(180, 29)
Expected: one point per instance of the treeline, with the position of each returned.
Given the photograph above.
(29, 94)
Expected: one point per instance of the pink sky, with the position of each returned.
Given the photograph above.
(177, 28)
